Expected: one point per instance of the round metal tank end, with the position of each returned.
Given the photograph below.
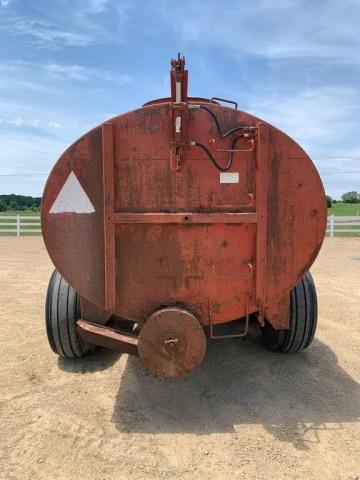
(172, 343)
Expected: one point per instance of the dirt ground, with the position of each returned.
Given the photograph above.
(246, 413)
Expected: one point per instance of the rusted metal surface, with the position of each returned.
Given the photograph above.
(223, 237)
(75, 242)
(190, 100)
(93, 313)
(107, 337)
(172, 343)
(223, 100)
(109, 228)
(262, 167)
(232, 334)
(179, 112)
(186, 218)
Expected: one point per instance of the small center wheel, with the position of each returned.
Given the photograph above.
(172, 343)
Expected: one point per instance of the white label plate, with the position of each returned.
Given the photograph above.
(229, 177)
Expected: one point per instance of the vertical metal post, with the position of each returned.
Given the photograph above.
(178, 80)
(18, 225)
(178, 112)
(262, 169)
(332, 225)
(109, 208)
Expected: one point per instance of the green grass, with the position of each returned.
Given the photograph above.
(348, 209)
(340, 209)
(24, 212)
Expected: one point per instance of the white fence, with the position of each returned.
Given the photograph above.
(25, 224)
(336, 225)
(20, 224)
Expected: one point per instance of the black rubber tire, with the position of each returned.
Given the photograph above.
(62, 311)
(303, 320)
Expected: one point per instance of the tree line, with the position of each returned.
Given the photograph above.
(348, 197)
(19, 203)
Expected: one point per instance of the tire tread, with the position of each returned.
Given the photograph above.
(62, 311)
(302, 321)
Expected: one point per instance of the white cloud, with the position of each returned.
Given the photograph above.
(20, 76)
(22, 149)
(53, 124)
(310, 114)
(21, 121)
(272, 29)
(49, 78)
(319, 119)
(79, 23)
(50, 35)
(18, 121)
(81, 73)
(98, 6)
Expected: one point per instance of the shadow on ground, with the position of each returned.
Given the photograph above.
(241, 382)
(100, 360)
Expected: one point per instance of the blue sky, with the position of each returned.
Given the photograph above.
(66, 66)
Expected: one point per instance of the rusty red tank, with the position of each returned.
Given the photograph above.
(170, 220)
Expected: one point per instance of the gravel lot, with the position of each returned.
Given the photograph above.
(246, 413)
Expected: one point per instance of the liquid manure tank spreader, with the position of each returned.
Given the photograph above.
(168, 221)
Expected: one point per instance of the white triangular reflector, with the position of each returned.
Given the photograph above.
(72, 198)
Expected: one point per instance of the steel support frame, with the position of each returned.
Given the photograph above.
(109, 210)
(262, 173)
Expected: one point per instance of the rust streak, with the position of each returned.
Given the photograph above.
(109, 229)
(261, 204)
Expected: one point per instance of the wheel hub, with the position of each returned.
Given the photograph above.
(172, 343)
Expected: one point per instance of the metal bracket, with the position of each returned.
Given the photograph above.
(234, 335)
(107, 337)
(251, 149)
(179, 133)
(225, 101)
(178, 111)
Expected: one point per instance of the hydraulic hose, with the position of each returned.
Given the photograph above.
(209, 154)
(228, 132)
(228, 164)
